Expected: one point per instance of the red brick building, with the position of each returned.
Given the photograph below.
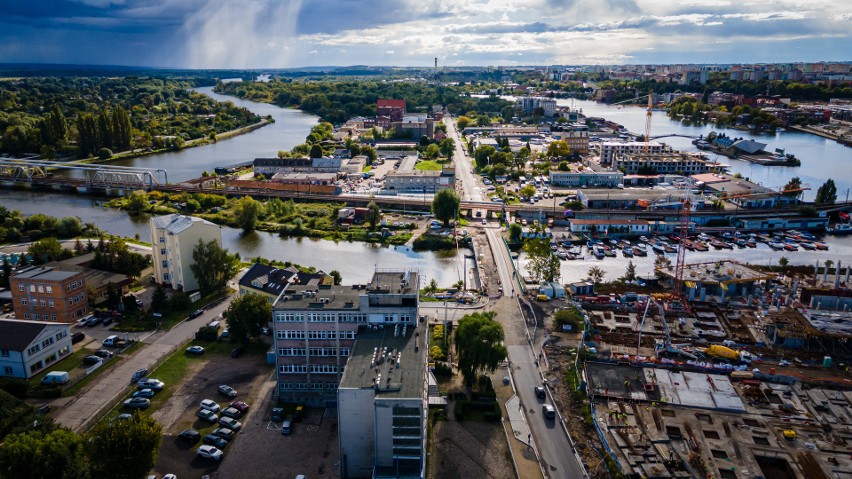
(44, 293)
(394, 109)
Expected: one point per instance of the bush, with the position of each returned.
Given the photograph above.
(207, 333)
(48, 392)
(16, 387)
(443, 370)
(104, 153)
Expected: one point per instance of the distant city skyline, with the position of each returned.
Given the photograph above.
(301, 33)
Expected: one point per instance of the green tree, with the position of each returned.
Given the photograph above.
(35, 453)
(125, 449)
(374, 214)
(445, 205)
(479, 342)
(515, 231)
(794, 184)
(316, 151)
(563, 166)
(247, 211)
(596, 275)
(630, 273)
(247, 315)
(212, 266)
(338, 278)
(158, 299)
(827, 193)
(46, 250)
(527, 191)
(483, 155)
(448, 147)
(137, 202)
(570, 315)
(783, 262)
(462, 122)
(432, 151)
(543, 264)
(559, 149)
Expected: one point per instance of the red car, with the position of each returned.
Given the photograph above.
(239, 406)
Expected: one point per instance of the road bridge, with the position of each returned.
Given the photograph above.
(97, 176)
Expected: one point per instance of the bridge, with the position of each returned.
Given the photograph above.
(674, 134)
(97, 176)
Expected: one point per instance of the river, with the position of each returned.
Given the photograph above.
(356, 261)
(821, 158)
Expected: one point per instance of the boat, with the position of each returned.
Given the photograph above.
(808, 246)
(640, 250)
(599, 253)
(562, 255)
(610, 252)
(703, 237)
(740, 243)
(688, 245)
(820, 246)
(840, 229)
(575, 251)
(658, 248)
(776, 245)
(790, 247)
(627, 252)
(729, 245)
(613, 243)
(717, 244)
(643, 239)
(625, 243)
(751, 243)
(669, 248)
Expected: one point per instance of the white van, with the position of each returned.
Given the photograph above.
(111, 341)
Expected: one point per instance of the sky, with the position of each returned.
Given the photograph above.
(299, 33)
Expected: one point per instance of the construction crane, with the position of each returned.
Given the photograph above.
(780, 191)
(648, 123)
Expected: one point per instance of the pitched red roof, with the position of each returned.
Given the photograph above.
(390, 104)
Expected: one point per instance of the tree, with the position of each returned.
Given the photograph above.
(212, 266)
(630, 274)
(36, 453)
(448, 147)
(559, 149)
(374, 214)
(137, 202)
(46, 250)
(125, 449)
(596, 275)
(783, 262)
(158, 299)
(543, 264)
(316, 151)
(445, 205)
(570, 315)
(462, 122)
(661, 263)
(479, 342)
(246, 211)
(515, 231)
(827, 193)
(432, 151)
(247, 315)
(527, 191)
(794, 184)
(338, 278)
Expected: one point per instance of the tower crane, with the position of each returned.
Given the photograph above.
(648, 123)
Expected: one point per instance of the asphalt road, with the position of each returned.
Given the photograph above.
(551, 440)
(76, 412)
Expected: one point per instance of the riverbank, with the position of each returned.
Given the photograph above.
(842, 139)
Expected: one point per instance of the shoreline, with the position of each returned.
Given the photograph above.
(804, 129)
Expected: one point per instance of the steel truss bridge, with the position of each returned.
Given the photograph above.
(97, 176)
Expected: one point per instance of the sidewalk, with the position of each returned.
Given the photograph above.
(524, 456)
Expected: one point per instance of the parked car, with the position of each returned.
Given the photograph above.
(228, 391)
(104, 353)
(209, 452)
(214, 440)
(93, 321)
(232, 413)
(236, 352)
(139, 374)
(286, 427)
(139, 303)
(230, 423)
(225, 334)
(239, 405)
(207, 415)
(209, 405)
(189, 435)
(224, 433)
(84, 320)
(92, 359)
(277, 414)
(151, 383)
(77, 337)
(195, 350)
(144, 393)
(196, 313)
(137, 403)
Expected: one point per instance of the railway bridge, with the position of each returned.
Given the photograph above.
(96, 176)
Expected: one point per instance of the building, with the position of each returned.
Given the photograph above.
(577, 140)
(672, 162)
(610, 150)
(626, 198)
(272, 166)
(270, 281)
(414, 126)
(575, 179)
(742, 192)
(49, 293)
(382, 404)
(719, 280)
(420, 181)
(316, 328)
(533, 104)
(27, 347)
(98, 282)
(392, 109)
(173, 238)
(610, 227)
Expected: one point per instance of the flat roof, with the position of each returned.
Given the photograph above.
(44, 273)
(396, 362)
(628, 194)
(394, 282)
(312, 297)
(719, 272)
(830, 322)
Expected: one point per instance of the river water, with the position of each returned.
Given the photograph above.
(821, 158)
(356, 261)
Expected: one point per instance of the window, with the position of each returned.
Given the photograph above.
(44, 317)
(26, 315)
(324, 368)
(7, 370)
(53, 317)
(388, 317)
(50, 303)
(405, 318)
(34, 349)
(68, 287)
(165, 263)
(162, 251)
(43, 303)
(24, 301)
(345, 351)
(49, 289)
(40, 289)
(162, 239)
(4, 353)
(293, 368)
(32, 288)
(291, 351)
(165, 276)
(22, 287)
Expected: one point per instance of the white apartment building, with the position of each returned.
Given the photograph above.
(27, 347)
(172, 239)
(612, 149)
(662, 163)
(528, 104)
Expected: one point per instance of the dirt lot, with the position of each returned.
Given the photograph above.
(469, 449)
(246, 374)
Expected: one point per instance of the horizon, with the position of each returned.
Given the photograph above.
(287, 34)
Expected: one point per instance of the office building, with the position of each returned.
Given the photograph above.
(27, 347)
(49, 293)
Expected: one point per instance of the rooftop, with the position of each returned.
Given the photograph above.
(394, 282)
(628, 194)
(390, 360)
(312, 296)
(830, 322)
(44, 273)
(721, 272)
(16, 335)
(176, 223)
(268, 279)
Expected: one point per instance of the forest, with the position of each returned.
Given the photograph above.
(337, 101)
(83, 117)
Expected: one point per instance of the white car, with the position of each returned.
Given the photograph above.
(151, 383)
(209, 405)
(209, 452)
(230, 423)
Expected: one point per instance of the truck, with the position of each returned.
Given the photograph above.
(719, 351)
(56, 377)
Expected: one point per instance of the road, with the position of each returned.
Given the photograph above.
(77, 413)
(550, 438)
